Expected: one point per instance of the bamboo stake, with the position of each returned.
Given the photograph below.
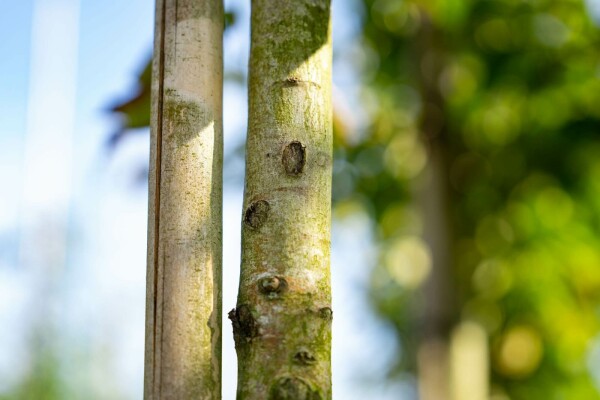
(183, 324)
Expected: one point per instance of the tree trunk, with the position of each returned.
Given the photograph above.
(183, 327)
(282, 323)
(439, 308)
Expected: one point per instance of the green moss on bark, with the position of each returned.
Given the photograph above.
(187, 118)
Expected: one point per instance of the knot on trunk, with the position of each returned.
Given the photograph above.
(272, 286)
(292, 388)
(244, 325)
(304, 357)
(326, 313)
(294, 158)
(256, 214)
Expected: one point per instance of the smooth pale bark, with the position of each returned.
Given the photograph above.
(282, 323)
(183, 324)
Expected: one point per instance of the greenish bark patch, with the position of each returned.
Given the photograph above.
(298, 32)
(187, 118)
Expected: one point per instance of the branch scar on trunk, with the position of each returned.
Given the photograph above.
(294, 158)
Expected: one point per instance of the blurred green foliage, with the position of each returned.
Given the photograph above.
(507, 93)
(43, 380)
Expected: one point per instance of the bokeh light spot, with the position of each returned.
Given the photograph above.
(520, 352)
(408, 261)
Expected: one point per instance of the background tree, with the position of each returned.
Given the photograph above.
(504, 95)
(282, 322)
(183, 325)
